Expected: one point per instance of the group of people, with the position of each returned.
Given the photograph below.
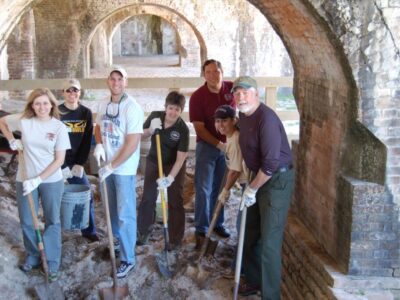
(55, 144)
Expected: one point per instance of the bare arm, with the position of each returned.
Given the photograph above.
(97, 134)
(130, 145)
(231, 178)
(146, 133)
(204, 134)
(5, 130)
(55, 164)
(180, 159)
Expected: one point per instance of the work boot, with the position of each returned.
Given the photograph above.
(200, 236)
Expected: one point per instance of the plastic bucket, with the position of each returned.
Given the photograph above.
(75, 206)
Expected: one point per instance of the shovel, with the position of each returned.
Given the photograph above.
(114, 292)
(208, 246)
(239, 253)
(47, 291)
(162, 259)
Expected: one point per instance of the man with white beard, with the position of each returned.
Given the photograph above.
(267, 154)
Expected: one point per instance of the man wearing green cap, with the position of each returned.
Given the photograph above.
(267, 154)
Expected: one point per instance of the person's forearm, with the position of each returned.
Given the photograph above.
(204, 134)
(231, 178)
(146, 133)
(259, 180)
(54, 166)
(97, 134)
(128, 148)
(5, 130)
(180, 159)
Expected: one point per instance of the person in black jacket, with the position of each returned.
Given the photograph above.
(78, 119)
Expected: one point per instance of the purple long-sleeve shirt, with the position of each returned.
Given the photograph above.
(263, 141)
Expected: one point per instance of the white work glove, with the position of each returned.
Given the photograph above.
(223, 197)
(31, 184)
(155, 124)
(66, 173)
(221, 146)
(248, 198)
(77, 171)
(99, 153)
(165, 182)
(105, 171)
(16, 145)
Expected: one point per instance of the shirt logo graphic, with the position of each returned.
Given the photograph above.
(174, 135)
(76, 127)
(50, 136)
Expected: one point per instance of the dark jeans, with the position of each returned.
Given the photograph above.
(176, 212)
(265, 225)
(91, 229)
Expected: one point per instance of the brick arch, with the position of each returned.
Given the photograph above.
(192, 47)
(331, 138)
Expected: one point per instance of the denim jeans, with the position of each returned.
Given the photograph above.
(209, 172)
(50, 195)
(121, 190)
(91, 229)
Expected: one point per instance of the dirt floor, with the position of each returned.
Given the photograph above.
(86, 267)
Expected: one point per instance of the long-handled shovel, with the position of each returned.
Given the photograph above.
(239, 252)
(48, 290)
(208, 246)
(162, 260)
(114, 292)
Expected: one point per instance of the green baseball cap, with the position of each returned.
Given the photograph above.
(245, 82)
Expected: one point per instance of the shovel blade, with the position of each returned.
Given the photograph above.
(211, 247)
(163, 266)
(114, 292)
(51, 291)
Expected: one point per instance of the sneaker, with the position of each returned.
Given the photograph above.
(222, 232)
(124, 268)
(116, 248)
(53, 276)
(26, 268)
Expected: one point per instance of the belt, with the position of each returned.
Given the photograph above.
(284, 169)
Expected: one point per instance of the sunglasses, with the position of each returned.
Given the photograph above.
(72, 90)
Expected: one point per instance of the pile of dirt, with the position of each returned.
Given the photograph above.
(85, 267)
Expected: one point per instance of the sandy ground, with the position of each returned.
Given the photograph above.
(86, 267)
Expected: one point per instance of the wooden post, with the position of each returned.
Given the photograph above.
(271, 96)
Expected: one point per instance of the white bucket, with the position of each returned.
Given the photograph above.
(75, 207)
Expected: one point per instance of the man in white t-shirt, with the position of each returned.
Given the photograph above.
(119, 125)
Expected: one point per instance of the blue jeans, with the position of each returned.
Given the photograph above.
(122, 202)
(209, 172)
(50, 195)
(91, 229)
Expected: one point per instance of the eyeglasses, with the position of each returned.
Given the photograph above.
(72, 90)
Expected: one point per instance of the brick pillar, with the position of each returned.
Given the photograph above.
(20, 50)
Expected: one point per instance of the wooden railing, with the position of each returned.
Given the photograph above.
(270, 84)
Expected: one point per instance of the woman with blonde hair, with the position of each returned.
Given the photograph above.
(44, 141)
